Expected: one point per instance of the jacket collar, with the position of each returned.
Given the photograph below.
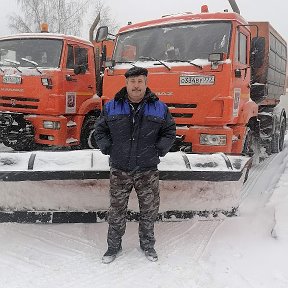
(149, 96)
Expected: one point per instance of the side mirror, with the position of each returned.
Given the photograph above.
(216, 57)
(102, 34)
(80, 69)
(257, 52)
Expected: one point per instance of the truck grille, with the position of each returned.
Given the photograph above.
(17, 102)
(183, 113)
(177, 105)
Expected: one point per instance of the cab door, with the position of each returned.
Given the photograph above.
(241, 70)
(79, 73)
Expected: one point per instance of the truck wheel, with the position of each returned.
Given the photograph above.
(17, 138)
(87, 140)
(20, 145)
(251, 146)
(248, 143)
(277, 142)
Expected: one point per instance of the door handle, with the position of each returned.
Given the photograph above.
(70, 78)
(90, 86)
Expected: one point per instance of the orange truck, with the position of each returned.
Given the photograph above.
(221, 76)
(48, 90)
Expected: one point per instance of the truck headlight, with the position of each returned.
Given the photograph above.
(55, 125)
(213, 140)
(47, 82)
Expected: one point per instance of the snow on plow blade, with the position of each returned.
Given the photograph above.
(69, 187)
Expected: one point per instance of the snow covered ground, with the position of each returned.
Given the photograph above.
(240, 252)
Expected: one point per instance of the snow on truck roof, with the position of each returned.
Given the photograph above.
(46, 36)
(184, 18)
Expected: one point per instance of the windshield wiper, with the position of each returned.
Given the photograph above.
(194, 64)
(124, 62)
(154, 59)
(16, 64)
(35, 64)
(186, 61)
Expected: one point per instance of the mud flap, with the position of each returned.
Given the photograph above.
(73, 186)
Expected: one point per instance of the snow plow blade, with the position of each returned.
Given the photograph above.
(73, 187)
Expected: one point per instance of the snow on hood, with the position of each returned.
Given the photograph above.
(31, 71)
(151, 64)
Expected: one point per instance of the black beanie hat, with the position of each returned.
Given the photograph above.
(136, 71)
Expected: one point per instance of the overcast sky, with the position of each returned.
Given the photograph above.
(130, 10)
(274, 11)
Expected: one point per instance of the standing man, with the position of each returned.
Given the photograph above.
(135, 128)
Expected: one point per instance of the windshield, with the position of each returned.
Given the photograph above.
(44, 52)
(184, 42)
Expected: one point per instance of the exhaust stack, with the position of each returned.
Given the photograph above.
(234, 6)
(93, 26)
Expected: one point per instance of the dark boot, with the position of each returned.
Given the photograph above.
(150, 253)
(111, 254)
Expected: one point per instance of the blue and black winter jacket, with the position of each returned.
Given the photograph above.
(135, 139)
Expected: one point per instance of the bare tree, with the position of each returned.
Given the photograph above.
(105, 16)
(62, 16)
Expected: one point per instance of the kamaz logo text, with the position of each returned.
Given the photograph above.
(164, 93)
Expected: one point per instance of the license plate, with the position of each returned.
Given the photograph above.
(12, 79)
(196, 80)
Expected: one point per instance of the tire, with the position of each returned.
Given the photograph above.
(18, 140)
(24, 146)
(251, 146)
(277, 142)
(248, 143)
(87, 140)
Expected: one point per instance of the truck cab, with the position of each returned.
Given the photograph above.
(47, 86)
(200, 66)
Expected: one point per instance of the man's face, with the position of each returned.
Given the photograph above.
(136, 87)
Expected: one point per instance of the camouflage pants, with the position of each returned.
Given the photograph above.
(146, 185)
